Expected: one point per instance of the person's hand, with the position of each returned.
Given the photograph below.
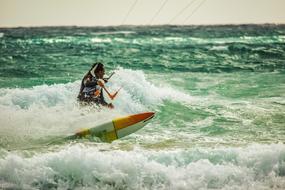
(111, 106)
(101, 82)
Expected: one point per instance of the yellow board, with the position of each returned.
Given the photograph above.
(117, 128)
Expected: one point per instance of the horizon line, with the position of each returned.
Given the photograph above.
(145, 25)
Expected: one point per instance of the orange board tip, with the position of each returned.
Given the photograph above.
(124, 122)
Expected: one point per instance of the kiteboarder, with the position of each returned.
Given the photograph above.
(92, 85)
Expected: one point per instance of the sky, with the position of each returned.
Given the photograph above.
(14, 13)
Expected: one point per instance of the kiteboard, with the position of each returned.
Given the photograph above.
(117, 128)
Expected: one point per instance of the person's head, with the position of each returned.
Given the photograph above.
(97, 70)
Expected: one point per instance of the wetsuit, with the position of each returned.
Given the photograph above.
(91, 92)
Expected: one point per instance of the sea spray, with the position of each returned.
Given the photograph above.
(255, 166)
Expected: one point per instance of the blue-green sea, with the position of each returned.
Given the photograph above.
(218, 93)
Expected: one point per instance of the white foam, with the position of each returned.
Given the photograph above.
(78, 166)
(135, 84)
(217, 41)
(46, 110)
(116, 32)
(51, 110)
(219, 48)
(57, 40)
(1, 35)
(101, 40)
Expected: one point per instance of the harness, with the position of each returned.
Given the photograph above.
(92, 93)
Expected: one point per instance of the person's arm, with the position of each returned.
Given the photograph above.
(100, 82)
(103, 102)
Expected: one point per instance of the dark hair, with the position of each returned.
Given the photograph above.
(99, 67)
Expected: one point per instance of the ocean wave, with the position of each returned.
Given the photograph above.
(241, 39)
(214, 49)
(52, 40)
(219, 48)
(140, 40)
(137, 89)
(144, 91)
(101, 40)
(114, 32)
(43, 95)
(182, 40)
(78, 166)
(51, 110)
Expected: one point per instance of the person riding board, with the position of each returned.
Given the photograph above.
(92, 85)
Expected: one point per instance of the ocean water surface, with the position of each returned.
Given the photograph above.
(218, 93)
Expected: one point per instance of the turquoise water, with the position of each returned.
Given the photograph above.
(218, 93)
